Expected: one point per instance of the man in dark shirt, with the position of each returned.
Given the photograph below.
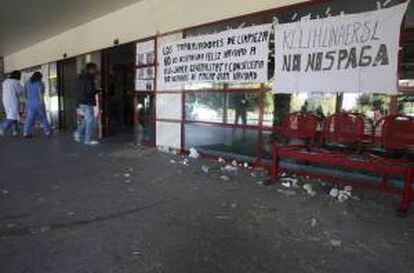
(86, 103)
(241, 109)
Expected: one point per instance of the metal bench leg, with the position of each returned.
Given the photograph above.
(407, 194)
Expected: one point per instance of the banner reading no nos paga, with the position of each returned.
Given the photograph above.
(232, 56)
(346, 53)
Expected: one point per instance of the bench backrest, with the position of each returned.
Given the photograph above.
(395, 132)
(299, 125)
(343, 128)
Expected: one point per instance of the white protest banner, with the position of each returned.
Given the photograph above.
(239, 55)
(347, 53)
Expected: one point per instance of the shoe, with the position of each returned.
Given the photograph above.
(92, 143)
(76, 137)
(28, 136)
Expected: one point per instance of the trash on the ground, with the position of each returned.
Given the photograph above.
(286, 184)
(356, 198)
(261, 183)
(225, 177)
(348, 188)
(4, 192)
(233, 205)
(222, 217)
(342, 197)
(334, 192)
(313, 222)
(193, 153)
(286, 192)
(205, 169)
(309, 190)
(229, 168)
(185, 162)
(71, 213)
(336, 243)
(127, 181)
(289, 182)
(127, 175)
(172, 161)
(136, 253)
(11, 225)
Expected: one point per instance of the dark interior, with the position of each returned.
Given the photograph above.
(119, 91)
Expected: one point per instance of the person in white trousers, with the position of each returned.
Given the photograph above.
(12, 89)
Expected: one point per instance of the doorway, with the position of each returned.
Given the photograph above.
(67, 72)
(118, 85)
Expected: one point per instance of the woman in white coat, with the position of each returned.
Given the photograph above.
(12, 89)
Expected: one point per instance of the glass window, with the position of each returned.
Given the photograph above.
(145, 63)
(409, 17)
(223, 107)
(407, 67)
(267, 152)
(268, 109)
(144, 117)
(52, 106)
(406, 105)
(94, 57)
(323, 104)
(238, 143)
(145, 79)
(145, 53)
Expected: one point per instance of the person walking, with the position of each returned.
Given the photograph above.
(35, 106)
(86, 103)
(12, 89)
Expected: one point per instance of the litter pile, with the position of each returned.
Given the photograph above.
(226, 170)
(337, 193)
(341, 195)
(223, 168)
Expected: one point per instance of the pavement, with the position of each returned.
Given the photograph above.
(67, 208)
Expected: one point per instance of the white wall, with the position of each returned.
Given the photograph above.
(137, 21)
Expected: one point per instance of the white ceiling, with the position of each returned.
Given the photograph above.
(26, 22)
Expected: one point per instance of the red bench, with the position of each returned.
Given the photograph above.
(299, 125)
(344, 129)
(347, 131)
